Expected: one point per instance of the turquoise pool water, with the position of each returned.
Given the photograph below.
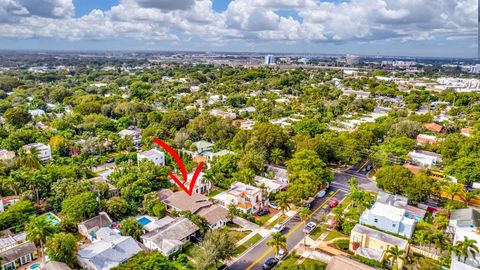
(143, 221)
(34, 266)
(52, 220)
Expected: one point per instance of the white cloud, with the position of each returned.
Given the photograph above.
(249, 20)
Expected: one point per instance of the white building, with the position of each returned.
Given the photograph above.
(36, 112)
(269, 60)
(6, 155)
(134, 134)
(465, 223)
(153, 155)
(248, 199)
(388, 218)
(44, 151)
(425, 158)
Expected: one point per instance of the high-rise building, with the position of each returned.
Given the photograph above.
(352, 59)
(269, 60)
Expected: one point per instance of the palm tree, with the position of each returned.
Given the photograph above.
(277, 242)
(29, 159)
(454, 189)
(276, 155)
(283, 202)
(422, 237)
(468, 196)
(396, 255)
(304, 216)
(353, 182)
(467, 247)
(38, 229)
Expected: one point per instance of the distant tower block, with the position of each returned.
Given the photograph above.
(270, 59)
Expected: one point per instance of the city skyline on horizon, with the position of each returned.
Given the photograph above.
(362, 27)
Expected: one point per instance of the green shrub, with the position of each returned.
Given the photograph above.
(342, 244)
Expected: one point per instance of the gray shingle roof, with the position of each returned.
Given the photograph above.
(17, 252)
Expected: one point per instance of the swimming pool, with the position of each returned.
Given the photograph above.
(34, 266)
(144, 221)
(52, 219)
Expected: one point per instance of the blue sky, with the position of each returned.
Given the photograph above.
(385, 27)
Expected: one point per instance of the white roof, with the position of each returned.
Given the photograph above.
(391, 212)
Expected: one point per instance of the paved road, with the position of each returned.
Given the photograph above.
(255, 257)
(339, 187)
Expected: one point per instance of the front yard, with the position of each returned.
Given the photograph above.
(250, 242)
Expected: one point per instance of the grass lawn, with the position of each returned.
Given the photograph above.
(250, 242)
(238, 235)
(317, 232)
(334, 234)
(314, 264)
(261, 220)
(215, 192)
(281, 219)
(188, 249)
(289, 261)
(233, 225)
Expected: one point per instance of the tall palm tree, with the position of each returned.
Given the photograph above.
(38, 229)
(304, 216)
(454, 189)
(29, 158)
(467, 247)
(422, 237)
(276, 155)
(277, 242)
(396, 255)
(283, 202)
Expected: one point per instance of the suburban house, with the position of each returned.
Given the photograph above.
(271, 185)
(199, 204)
(435, 128)
(357, 94)
(465, 223)
(153, 155)
(425, 158)
(15, 251)
(373, 244)
(248, 199)
(54, 265)
(426, 139)
(133, 133)
(44, 151)
(170, 237)
(340, 262)
(110, 250)
(391, 213)
(467, 132)
(36, 112)
(6, 155)
(223, 114)
(279, 174)
(112, 190)
(202, 147)
(89, 228)
(7, 201)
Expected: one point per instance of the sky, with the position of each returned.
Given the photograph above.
(439, 28)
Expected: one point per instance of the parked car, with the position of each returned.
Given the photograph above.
(321, 193)
(333, 203)
(270, 263)
(272, 205)
(309, 227)
(263, 212)
(281, 254)
(278, 228)
(110, 160)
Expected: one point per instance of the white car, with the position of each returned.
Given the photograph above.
(281, 254)
(278, 228)
(309, 227)
(321, 193)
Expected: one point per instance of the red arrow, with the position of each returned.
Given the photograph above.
(179, 161)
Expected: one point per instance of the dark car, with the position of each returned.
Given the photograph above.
(196, 239)
(110, 160)
(263, 212)
(270, 263)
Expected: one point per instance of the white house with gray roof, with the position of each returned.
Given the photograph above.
(109, 251)
(171, 237)
(153, 155)
(388, 218)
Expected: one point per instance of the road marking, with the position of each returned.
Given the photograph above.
(293, 230)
